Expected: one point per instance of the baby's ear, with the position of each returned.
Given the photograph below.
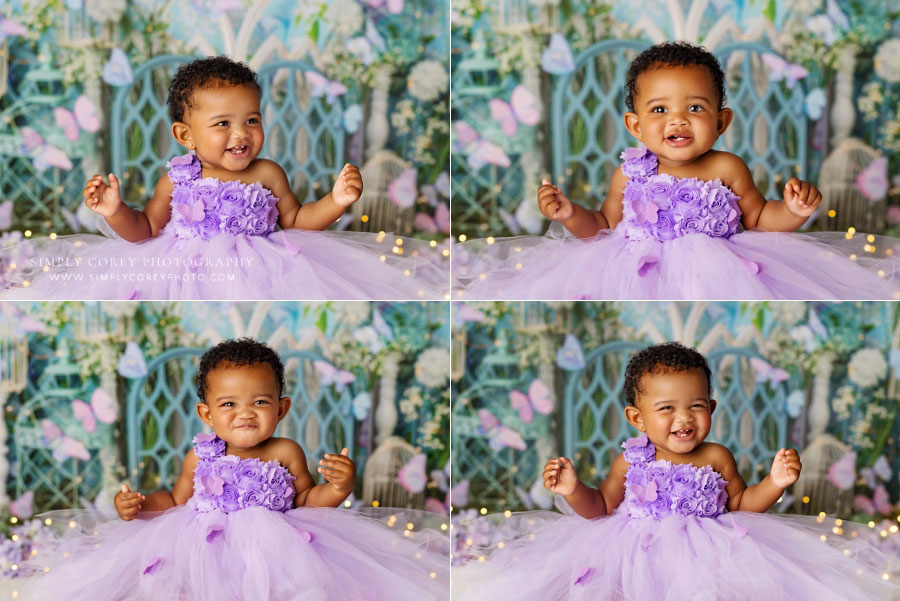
(182, 134)
(632, 125)
(724, 120)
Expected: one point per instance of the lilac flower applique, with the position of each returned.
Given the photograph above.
(639, 163)
(207, 446)
(185, 168)
(639, 449)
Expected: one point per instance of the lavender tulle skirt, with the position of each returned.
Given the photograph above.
(756, 557)
(306, 554)
(288, 264)
(750, 265)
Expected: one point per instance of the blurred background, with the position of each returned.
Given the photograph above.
(538, 91)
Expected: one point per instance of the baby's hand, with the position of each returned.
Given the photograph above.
(786, 468)
(801, 198)
(128, 503)
(339, 470)
(348, 186)
(99, 197)
(553, 204)
(559, 476)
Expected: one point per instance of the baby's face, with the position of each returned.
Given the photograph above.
(676, 113)
(226, 126)
(242, 404)
(675, 410)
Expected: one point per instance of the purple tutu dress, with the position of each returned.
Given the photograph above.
(238, 539)
(671, 540)
(679, 238)
(221, 243)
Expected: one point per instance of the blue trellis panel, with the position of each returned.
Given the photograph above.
(63, 483)
(750, 417)
(162, 417)
(588, 133)
(304, 133)
(494, 475)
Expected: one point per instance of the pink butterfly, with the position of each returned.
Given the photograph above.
(765, 371)
(645, 494)
(63, 445)
(466, 313)
(439, 223)
(9, 27)
(322, 86)
(478, 151)
(843, 472)
(192, 213)
(538, 399)
(23, 507)
(102, 407)
(43, 154)
(6, 215)
(500, 435)
(84, 117)
(458, 495)
(522, 108)
(781, 69)
(332, 375)
(395, 7)
(402, 191)
(872, 181)
(646, 212)
(879, 503)
(412, 475)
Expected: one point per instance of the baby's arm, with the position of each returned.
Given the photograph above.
(559, 477)
(128, 503)
(130, 224)
(315, 215)
(310, 494)
(759, 497)
(800, 199)
(582, 222)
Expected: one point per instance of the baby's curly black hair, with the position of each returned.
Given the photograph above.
(673, 54)
(203, 73)
(242, 352)
(662, 358)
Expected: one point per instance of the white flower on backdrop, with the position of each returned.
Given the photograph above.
(427, 80)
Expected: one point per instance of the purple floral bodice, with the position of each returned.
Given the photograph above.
(666, 207)
(230, 483)
(206, 207)
(658, 488)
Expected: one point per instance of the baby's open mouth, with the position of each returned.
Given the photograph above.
(684, 433)
(678, 137)
(239, 149)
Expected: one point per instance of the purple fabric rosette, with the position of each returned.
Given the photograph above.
(231, 207)
(657, 488)
(683, 206)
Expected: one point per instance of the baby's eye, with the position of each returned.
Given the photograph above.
(227, 404)
(696, 106)
(262, 401)
(225, 123)
(662, 109)
(252, 120)
(665, 407)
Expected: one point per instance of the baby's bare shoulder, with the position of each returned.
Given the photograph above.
(728, 167)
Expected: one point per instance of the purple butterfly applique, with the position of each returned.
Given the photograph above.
(194, 213)
(645, 494)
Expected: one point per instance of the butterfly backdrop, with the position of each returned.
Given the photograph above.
(502, 142)
(804, 364)
(82, 358)
(386, 60)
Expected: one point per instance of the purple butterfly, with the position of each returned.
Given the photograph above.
(646, 212)
(645, 494)
(192, 214)
(212, 485)
(637, 441)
